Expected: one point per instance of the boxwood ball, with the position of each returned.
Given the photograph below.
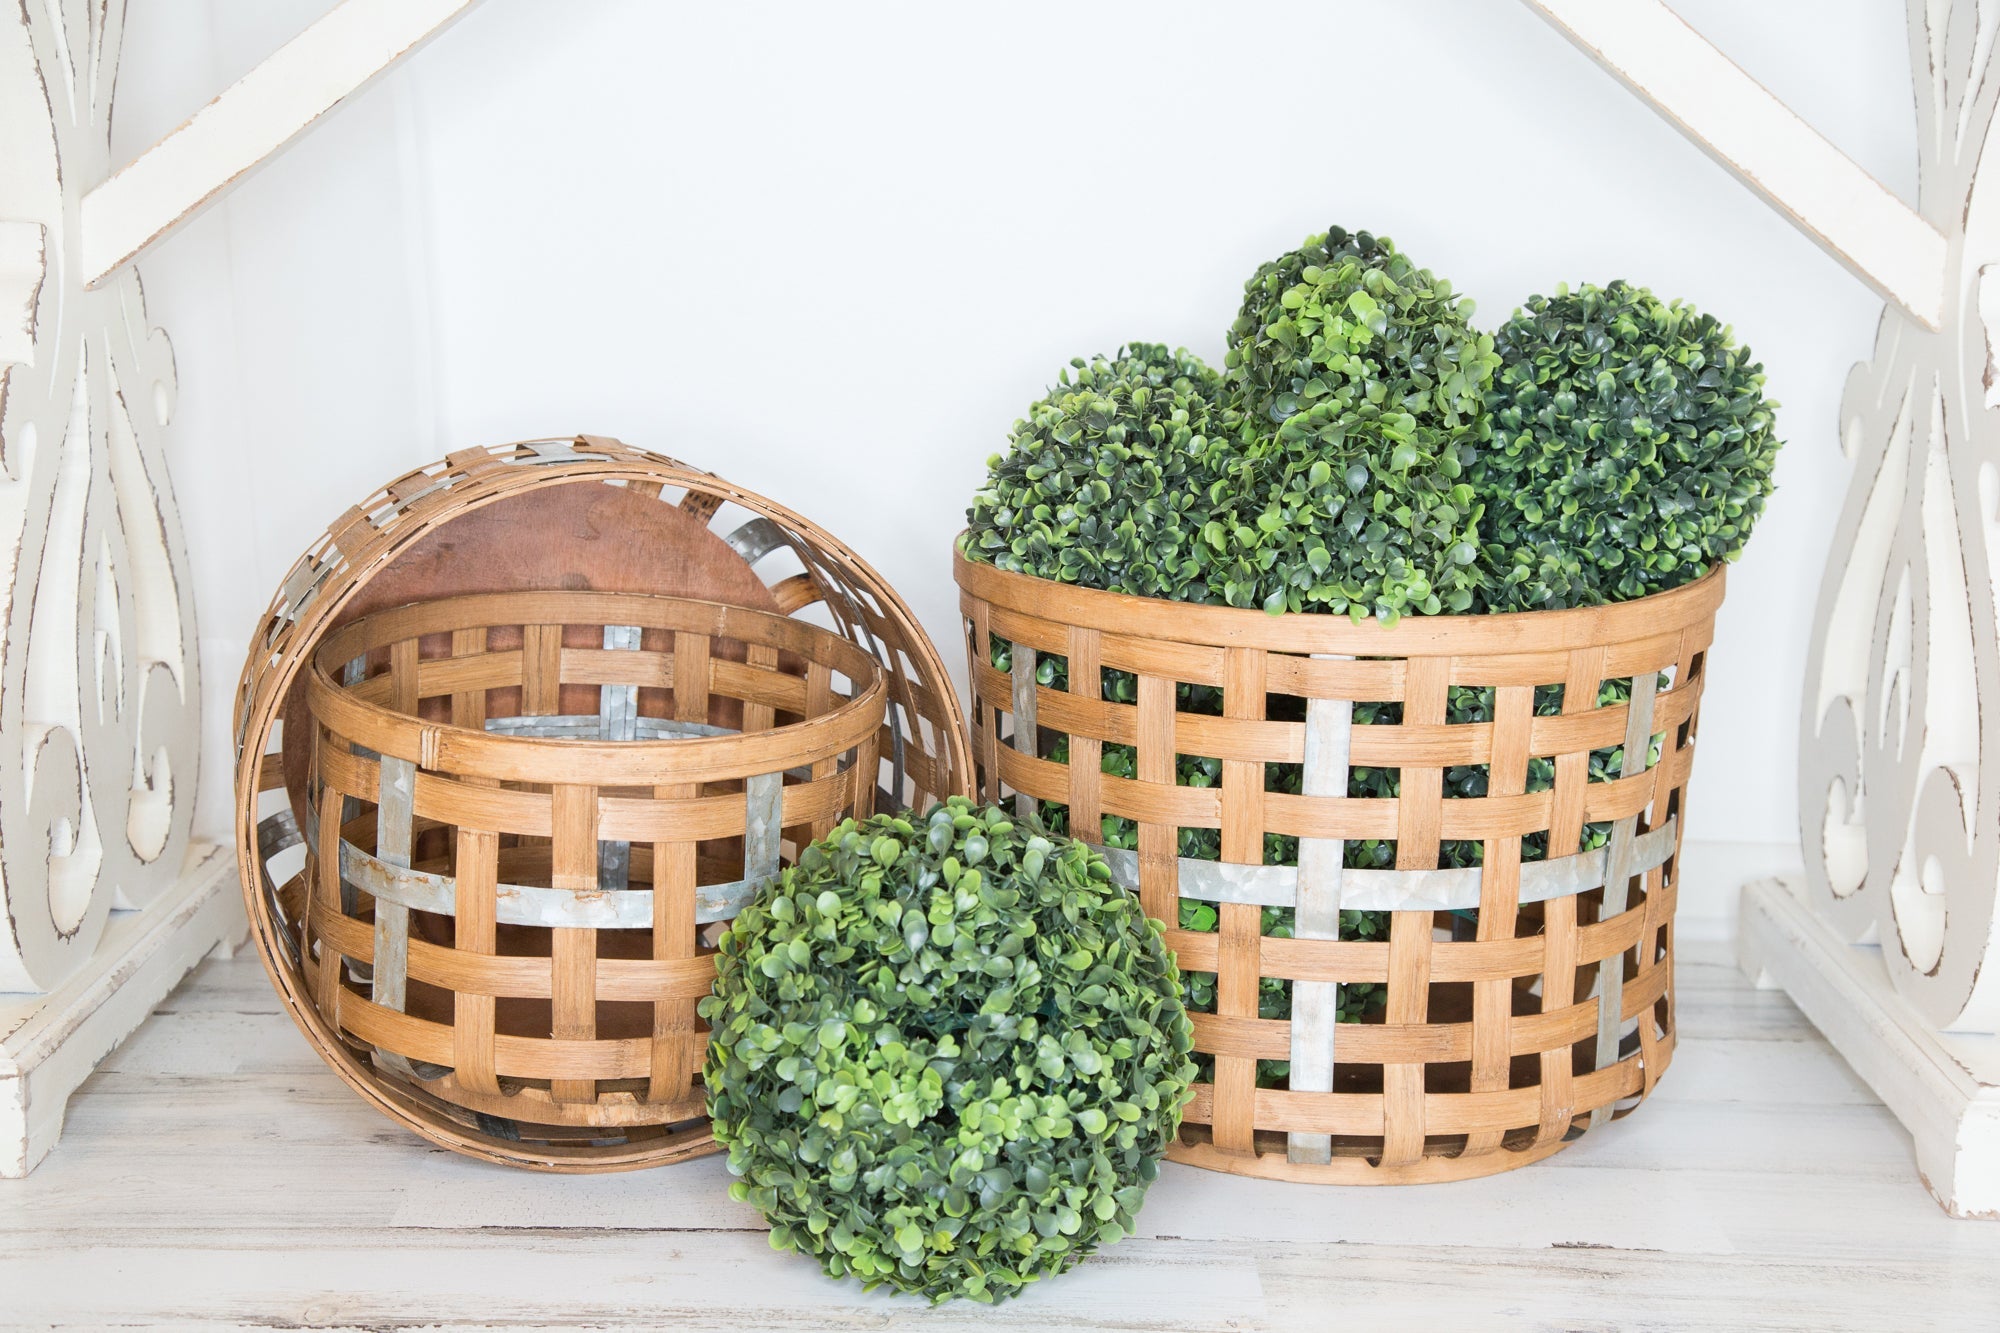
(1368, 379)
(1632, 448)
(946, 1053)
(1105, 483)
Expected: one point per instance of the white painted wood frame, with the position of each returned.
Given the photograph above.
(1892, 944)
(99, 678)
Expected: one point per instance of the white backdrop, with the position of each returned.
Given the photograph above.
(834, 251)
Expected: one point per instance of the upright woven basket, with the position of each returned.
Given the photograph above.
(515, 737)
(1495, 1009)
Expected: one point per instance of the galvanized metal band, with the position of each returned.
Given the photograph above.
(276, 833)
(1445, 890)
(1618, 875)
(1321, 887)
(763, 825)
(388, 981)
(617, 720)
(1026, 728)
(756, 539)
(590, 727)
(534, 905)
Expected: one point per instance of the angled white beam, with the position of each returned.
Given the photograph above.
(273, 104)
(1736, 121)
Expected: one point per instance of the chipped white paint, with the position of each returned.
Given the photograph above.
(98, 669)
(175, 179)
(1899, 780)
(23, 265)
(1736, 121)
(98, 687)
(50, 1043)
(1944, 1087)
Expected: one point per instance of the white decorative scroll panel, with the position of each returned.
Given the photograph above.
(1899, 774)
(98, 688)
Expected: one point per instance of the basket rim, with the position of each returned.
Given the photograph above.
(1210, 626)
(529, 758)
(331, 571)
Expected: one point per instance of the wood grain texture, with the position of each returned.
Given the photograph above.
(519, 1007)
(421, 626)
(1743, 1225)
(1481, 1052)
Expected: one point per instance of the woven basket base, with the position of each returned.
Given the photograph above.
(1270, 1163)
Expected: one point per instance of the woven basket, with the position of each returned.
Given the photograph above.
(514, 738)
(1446, 1009)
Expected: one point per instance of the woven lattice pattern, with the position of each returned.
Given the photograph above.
(1423, 876)
(493, 941)
(503, 898)
(813, 576)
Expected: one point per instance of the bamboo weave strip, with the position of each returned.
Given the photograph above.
(635, 815)
(1521, 1001)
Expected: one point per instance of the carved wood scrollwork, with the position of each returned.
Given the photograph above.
(1899, 774)
(99, 689)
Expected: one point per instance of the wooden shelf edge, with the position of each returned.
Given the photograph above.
(1944, 1087)
(49, 1044)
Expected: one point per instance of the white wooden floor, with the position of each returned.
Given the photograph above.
(214, 1174)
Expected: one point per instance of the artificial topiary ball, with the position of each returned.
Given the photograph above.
(946, 1053)
(1632, 448)
(1104, 484)
(1370, 381)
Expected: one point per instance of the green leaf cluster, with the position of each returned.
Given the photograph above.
(1104, 483)
(1368, 380)
(1632, 450)
(946, 1053)
(1367, 451)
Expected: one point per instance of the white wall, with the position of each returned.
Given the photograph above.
(833, 252)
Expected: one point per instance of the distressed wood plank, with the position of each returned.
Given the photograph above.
(1735, 120)
(191, 168)
(1729, 1155)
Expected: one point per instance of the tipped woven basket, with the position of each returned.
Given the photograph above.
(514, 738)
(1495, 1009)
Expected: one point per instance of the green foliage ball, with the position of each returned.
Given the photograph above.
(1367, 384)
(1632, 450)
(946, 1053)
(1105, 482)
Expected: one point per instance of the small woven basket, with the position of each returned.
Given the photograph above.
(1442, 1009)
(515, 738)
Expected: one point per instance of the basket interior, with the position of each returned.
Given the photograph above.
(690, 749)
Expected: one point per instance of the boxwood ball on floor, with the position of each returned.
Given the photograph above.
(947, 1053)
